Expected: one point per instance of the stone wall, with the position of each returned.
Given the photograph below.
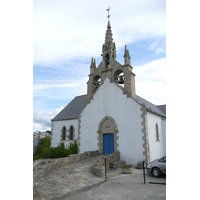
(99, 165)
(44, 167)
(56, 129)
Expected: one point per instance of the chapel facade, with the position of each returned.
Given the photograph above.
(111, 117)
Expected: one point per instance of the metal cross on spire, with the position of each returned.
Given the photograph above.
(108, 13)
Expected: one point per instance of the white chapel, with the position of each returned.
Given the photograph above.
(111, 117)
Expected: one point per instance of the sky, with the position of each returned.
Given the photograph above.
(67, 34)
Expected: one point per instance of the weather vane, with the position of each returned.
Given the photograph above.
(108, 13)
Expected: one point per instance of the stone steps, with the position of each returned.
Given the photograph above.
(113, 172)
(116, 164)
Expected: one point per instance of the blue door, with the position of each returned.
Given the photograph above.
(108, 143)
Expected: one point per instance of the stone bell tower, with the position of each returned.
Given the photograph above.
(110, 68)
(108, 48)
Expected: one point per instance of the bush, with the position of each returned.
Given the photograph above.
(73, 148)
(59, 151)
(44, 150)
(35, 157)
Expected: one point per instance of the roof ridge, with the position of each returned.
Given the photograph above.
(81, 95)
(144, 99)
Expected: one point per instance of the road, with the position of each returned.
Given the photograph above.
(124, 186)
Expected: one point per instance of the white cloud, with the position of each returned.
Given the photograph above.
(58, 89)
(73, 29)
(42, 119)
(154, 69)
(159, 46)
(42, 86)
(151, 81)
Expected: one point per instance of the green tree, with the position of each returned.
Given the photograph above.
(43, 148)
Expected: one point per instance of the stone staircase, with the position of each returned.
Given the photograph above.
(114, 161)
(116, 164)
(113, 165)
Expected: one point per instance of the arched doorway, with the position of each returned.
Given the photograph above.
(108, 143)
(107, 136)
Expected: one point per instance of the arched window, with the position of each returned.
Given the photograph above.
(96, 82)
(64, 133)
(71, 136)
(157, 133)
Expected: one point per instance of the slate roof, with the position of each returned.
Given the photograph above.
(151, 107)
(72, 110)
(163, 108)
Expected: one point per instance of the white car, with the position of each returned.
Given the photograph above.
(157, 167)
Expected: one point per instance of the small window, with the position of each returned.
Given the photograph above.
(157, 133)
(71, 133)
(64, 133)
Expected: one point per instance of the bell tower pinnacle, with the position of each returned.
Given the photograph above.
(108, 48)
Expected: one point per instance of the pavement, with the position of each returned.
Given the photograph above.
(77, 181)
(128, 187)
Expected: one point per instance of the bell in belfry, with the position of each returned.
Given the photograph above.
(120, 80)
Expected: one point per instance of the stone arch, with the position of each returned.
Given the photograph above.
(119, 73)
(107, 125)
(96, 82)
(71, 132)
(63, 134)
